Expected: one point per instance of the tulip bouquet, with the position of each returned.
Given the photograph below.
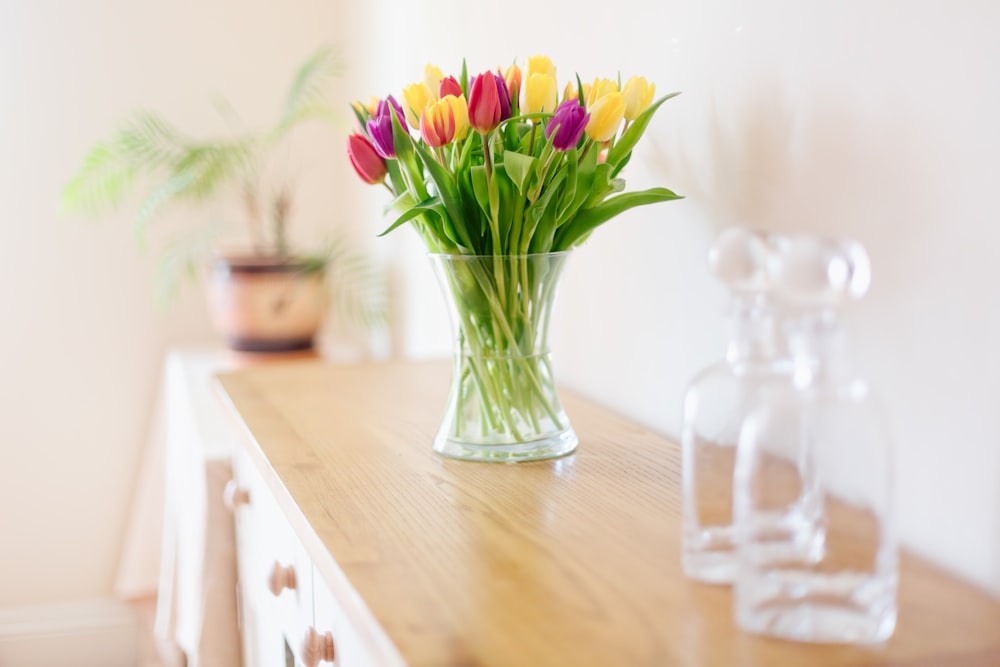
(500, 175)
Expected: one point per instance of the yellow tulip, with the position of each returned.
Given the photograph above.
(512, 77)
(599, 89)
(432, 79)
(638, 95)
(416, 97)
(606, 114)
(437, 124)
(571, 92)
(540, 93)
(540, 65)
(461, 110)
(369, 107)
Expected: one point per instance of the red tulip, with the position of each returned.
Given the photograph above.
(365, 160)
(489, 102)
(449, 86)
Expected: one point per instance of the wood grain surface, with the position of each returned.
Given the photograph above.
(574, 561)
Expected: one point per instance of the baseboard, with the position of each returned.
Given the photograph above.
(82, 633)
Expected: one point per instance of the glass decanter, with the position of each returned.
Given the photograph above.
(715, 404)
(813, 481)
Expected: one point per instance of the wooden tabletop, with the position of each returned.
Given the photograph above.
(571, 562)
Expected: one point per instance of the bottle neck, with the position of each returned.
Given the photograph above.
(818, 347)
(753, 333)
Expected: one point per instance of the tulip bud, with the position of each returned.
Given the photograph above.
(566, 126)
(606, 114)
(415, 98)
(503, 96)
(599, 89)
(432, 78)
(540, 93)
(449, 86)
(437, 123)
(638, 96)
(512, 77)
(461, 111)
(366, 161)
(380, 127)
(540, 65)
(489, 102)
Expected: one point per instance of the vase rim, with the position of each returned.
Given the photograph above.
(447, 255)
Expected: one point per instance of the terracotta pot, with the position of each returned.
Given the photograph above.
(266, 303)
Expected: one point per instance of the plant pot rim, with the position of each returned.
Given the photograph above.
(235, 262)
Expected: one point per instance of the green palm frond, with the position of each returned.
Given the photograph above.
(307, 97)
(358, 291)
(197, 175)
(109, 170)
(181, 261)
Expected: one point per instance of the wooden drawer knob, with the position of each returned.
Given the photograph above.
(317, 648)
(233, 496)
(282, 577)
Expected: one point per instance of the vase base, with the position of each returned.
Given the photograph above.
(551, 447)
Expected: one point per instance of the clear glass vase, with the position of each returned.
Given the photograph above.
(503, 405)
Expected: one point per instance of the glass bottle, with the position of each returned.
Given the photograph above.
(716, 401)
(813, 480)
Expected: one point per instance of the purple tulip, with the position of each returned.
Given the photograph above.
(566, 125)
(504, 96)
(379, 126)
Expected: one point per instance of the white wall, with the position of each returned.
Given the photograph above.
(82, 337)
(874, 120)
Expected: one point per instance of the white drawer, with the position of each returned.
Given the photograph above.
(350, 650)
(266, 547)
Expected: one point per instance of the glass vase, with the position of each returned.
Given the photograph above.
(503, 405)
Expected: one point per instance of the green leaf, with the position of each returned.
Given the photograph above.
(480, 189)
(158, 198)
(361, 114)
(542, 220)
(601, 186)
(401, 139)
(310, 86)
(356, 288)
(101, 182)
(569, 192)
(635, 131)
(446, 187)
(143, 145)
(505, 210)
(396, 177)
(400, 202)
(586, 173)
(406, 156)
(588, 219)
(181, 260)
(412, 212)
(519, 168)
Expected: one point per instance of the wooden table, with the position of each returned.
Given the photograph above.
(574, 561)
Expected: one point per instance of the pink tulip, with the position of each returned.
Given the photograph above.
(489, 102)
(365, 160)
(449, 86)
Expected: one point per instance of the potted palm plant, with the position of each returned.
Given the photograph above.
(267, 296)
